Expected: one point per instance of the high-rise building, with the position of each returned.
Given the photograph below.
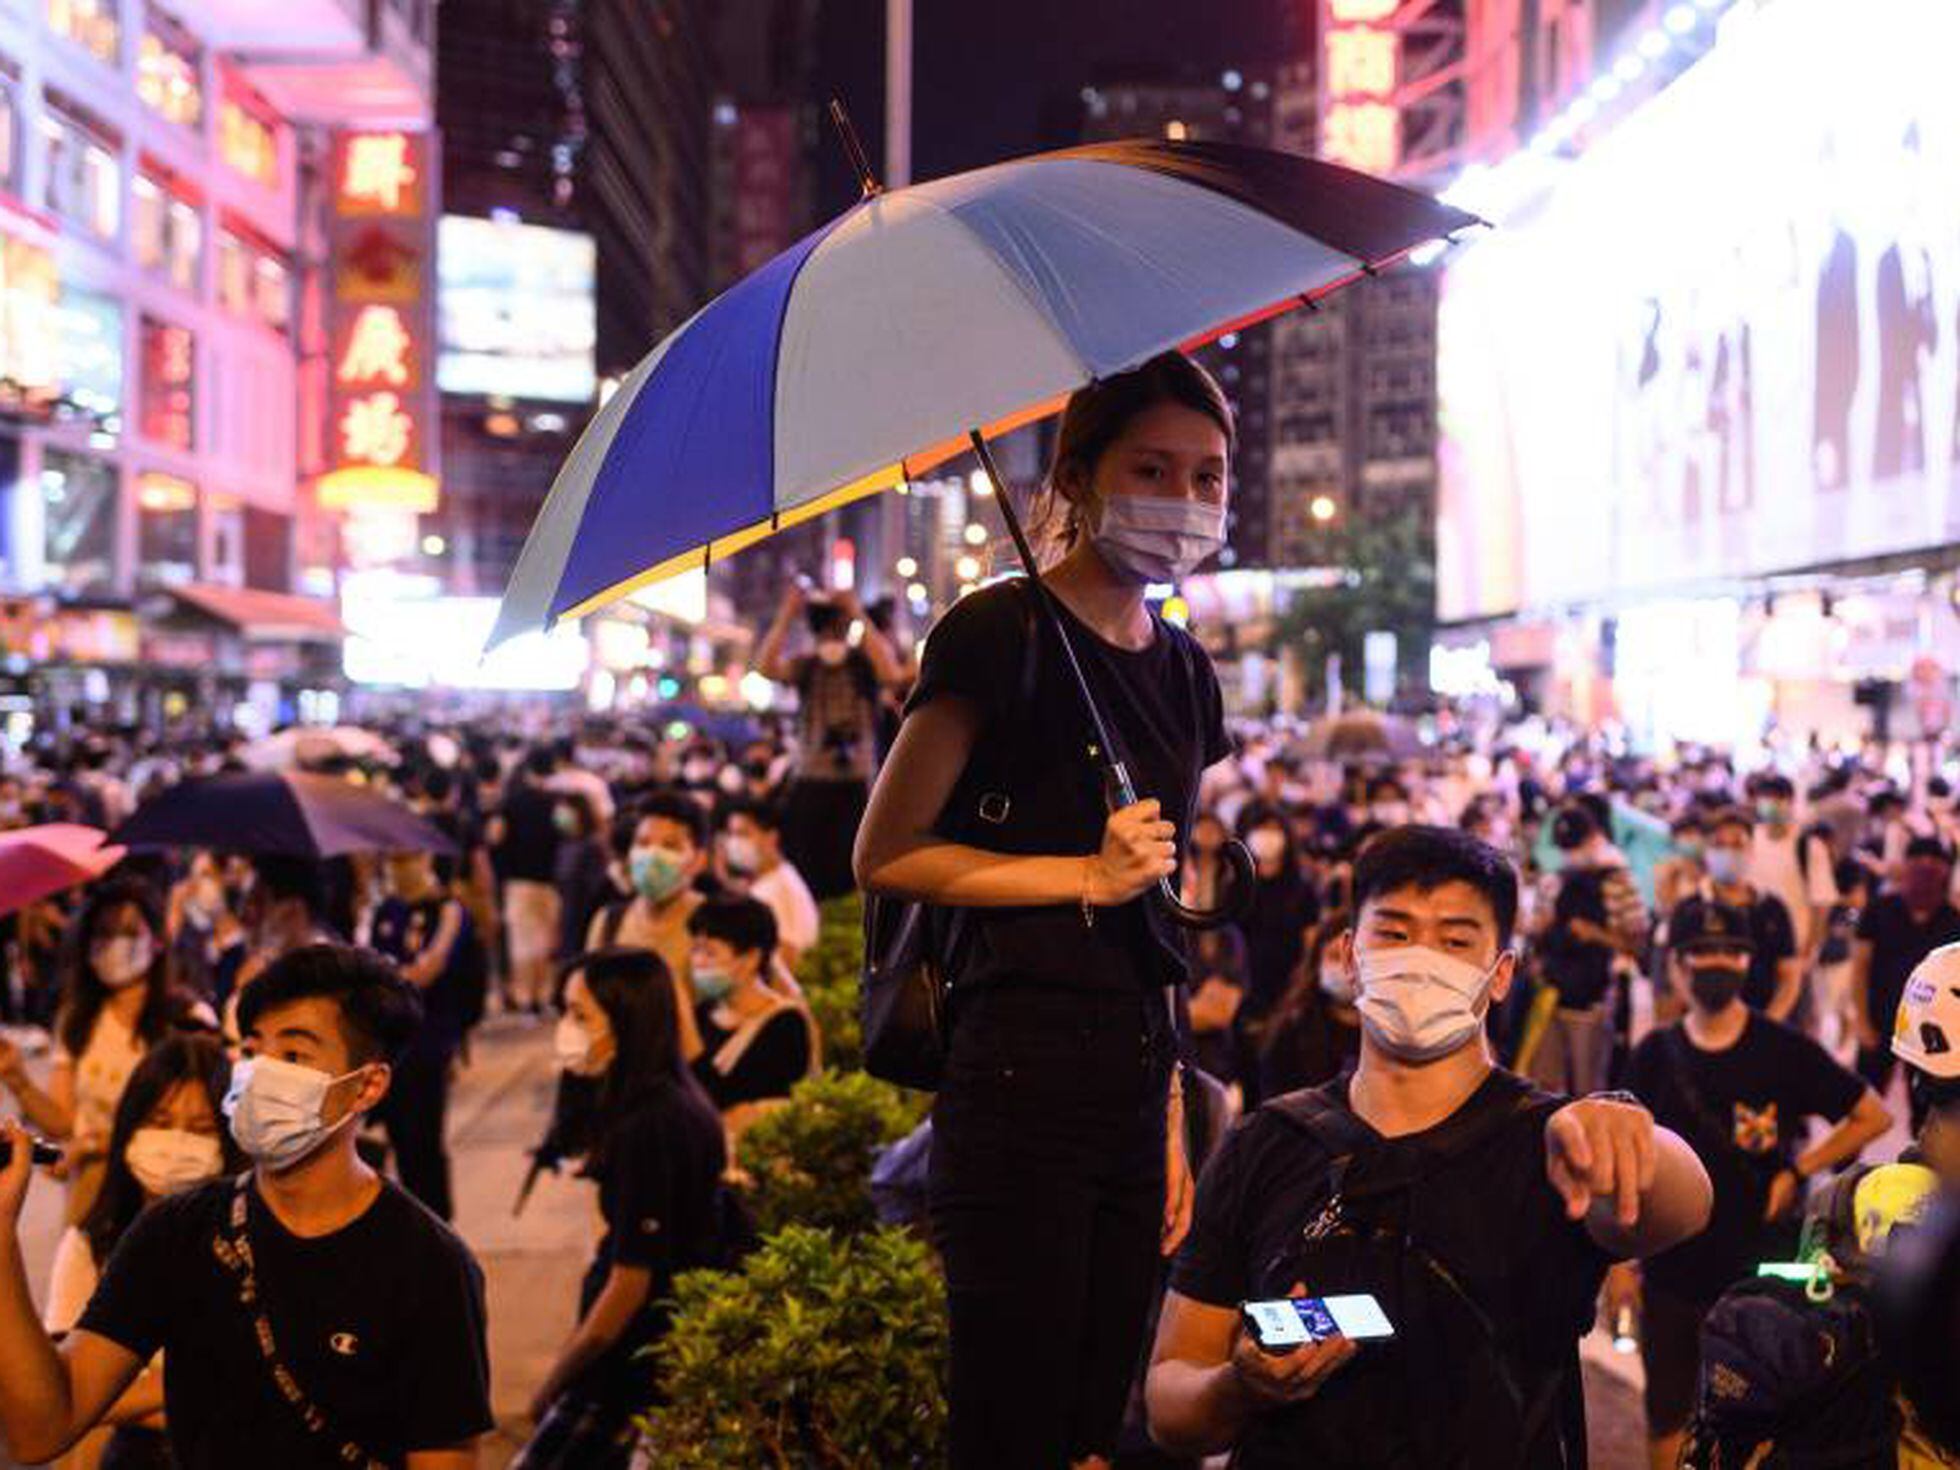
(165, 171)
(1235, 107)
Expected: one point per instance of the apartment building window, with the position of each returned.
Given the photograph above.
(78, 503)
(254, 282)
(90, 24)
(168, 233)
(248, 143)
(166, 530)
(84, 184)
(168, 65)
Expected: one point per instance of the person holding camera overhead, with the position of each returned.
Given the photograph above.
(837, 688)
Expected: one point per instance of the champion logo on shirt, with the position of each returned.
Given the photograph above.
(345, 1344)
(1755, 1129)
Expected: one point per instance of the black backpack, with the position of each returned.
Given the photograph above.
(1361, 1240)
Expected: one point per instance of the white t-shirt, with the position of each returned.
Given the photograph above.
(1774, 868)
(788, 897)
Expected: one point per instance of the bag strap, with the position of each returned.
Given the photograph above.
(233, 1247)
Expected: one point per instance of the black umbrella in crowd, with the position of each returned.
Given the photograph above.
(288, 813)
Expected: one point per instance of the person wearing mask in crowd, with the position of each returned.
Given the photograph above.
(1836, 1012)
(837, 688)
(666, 851)
(201, 924)
(756, 1044)
(524, 839)
(1583, 948)
(283, 908)
(1315, 1035)
(1204, 866)
(427, 932)
(1283, 908)
(117, 1002)
(379, 1351)
(1794, 864)
(1684, 869)
(1218, 976)
(1897, 930)
(1775, 977)
(1741, 1088)
(582, 870)
(573, 778)
(657, 1155)
(752, 854)
(1479, 1212)
(1057, 1175)
(1888, 829)
(167, 1137)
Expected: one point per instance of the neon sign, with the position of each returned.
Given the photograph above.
(1360, 123)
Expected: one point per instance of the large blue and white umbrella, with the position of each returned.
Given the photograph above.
(866, 353)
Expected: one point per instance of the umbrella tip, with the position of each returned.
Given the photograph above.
(847, 134)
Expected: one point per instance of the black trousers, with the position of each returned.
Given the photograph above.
(414, 1113)
(1046, 1200)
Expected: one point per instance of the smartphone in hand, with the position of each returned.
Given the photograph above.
(1285, 1323)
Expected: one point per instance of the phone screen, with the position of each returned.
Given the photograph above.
(1290, 1322)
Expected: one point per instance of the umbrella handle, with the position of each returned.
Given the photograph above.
(1118, 792)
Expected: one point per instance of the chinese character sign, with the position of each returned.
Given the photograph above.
(378, 442)
(1359, 120)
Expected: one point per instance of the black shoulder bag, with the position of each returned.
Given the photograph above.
(913, 950)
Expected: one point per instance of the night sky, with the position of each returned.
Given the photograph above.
(995, 78)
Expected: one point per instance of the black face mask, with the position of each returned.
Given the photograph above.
(1715, 986)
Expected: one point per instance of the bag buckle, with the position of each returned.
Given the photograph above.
(994, 806)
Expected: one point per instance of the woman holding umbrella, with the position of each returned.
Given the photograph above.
(1055, 1183)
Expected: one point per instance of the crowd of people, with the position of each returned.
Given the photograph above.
(1521, 1031)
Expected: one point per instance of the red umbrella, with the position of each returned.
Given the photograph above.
(37, 861)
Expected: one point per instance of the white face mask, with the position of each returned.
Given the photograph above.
(1268, 844)
(120, 962)
(169, 1160)
(833, 651)
(574, 1045)
(743, 853)
(1418, 1003)
(1148, 539)
(275, 1110)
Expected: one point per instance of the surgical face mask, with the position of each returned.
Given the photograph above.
(120, 962)
(168, 1160)
(1776, 813)
(832, 651)
(711, 982)
(1268, 844)
(1727, 864)
(1337, 984)
(1691, 848)
(1714, 987)
(1148, 539)
(697, 771)
(730, 780)
(1391, 813)
(1418, 1003)
(276, 1110)
(658, 872)
(574, 1045)
(744, 854)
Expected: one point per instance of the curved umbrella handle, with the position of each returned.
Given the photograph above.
(1237, 890)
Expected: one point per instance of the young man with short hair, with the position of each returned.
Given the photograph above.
(1479, 1212)
(666, 849)
(312, 1312)
(1741, 1088)
(1775, 979)
(757, 1043)
(752, 854)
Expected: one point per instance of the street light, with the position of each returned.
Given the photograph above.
(434, 546)
(979, 484)
(917, 592)
(906, 567)
(976, 534)
(966, 569)
(1322, 508)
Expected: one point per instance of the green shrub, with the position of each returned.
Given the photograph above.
(809, 1161)
(828, 973)
(834, 1007)
(821, 1354)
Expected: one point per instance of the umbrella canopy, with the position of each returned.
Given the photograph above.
(38, 861)
(304, 745)
(289, 813)
(1361, 735)
(866, 353)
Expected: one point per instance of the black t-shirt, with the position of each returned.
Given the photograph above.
(402, 930)
(774, 1061)
(529, 851)
(1898, 945)
(380, 1322)
(1164, 711)
(1579, 969)
(1485, 1212)
(1743, 1110)
(1283, 908)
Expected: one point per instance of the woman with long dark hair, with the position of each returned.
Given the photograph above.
(166, 1138)
(657, 1155)
(1315, 1033)
(1283, 908)
(1055, 1182)
(117, 1002)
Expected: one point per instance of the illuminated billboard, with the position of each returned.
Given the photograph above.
(516, 312)
(402, 632)
(1727, 343)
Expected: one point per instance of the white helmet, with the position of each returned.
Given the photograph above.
(1927, 1034)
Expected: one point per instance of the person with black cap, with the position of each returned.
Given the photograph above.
(1775, 979)
(1741, 1089)
(1902, 926)
(1598, 921)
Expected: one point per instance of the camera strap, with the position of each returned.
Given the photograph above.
(233, 1248)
